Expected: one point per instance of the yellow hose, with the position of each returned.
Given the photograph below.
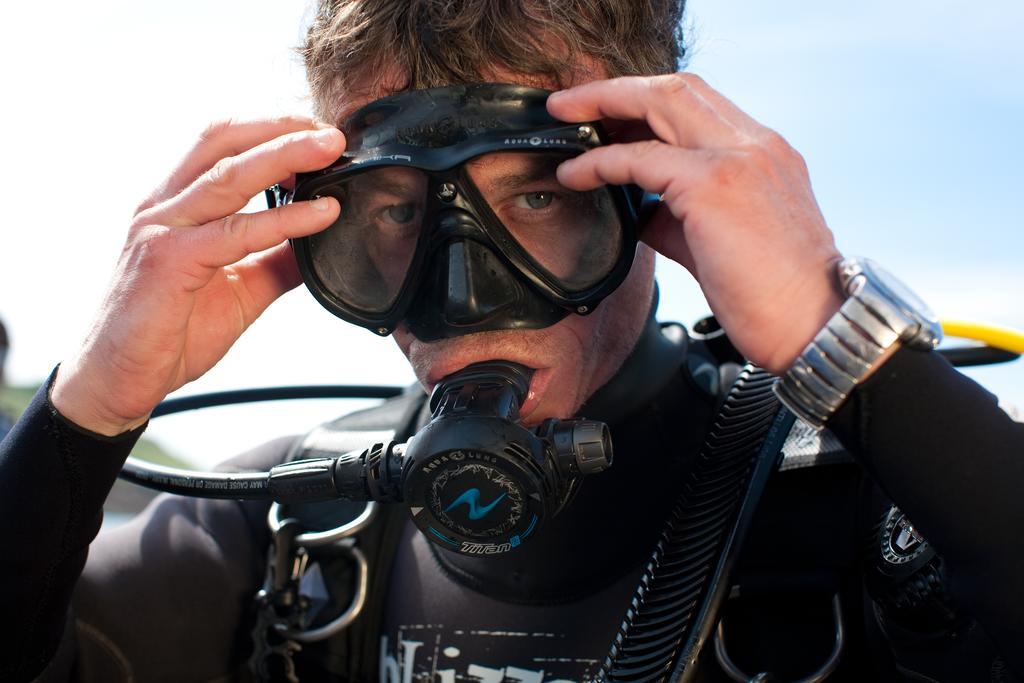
(997, 337)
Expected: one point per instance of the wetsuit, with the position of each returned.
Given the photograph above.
(168, 595)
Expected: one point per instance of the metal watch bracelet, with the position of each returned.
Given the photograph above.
(878, 316)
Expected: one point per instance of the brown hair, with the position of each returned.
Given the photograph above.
(427, 43)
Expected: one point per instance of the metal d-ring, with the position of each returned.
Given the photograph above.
(313, 539)
(341, 537)
(345, 618)
(823, 672)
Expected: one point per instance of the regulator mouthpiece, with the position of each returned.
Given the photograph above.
(480, 483)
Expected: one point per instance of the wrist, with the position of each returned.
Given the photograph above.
(73, 395)
(879, 316)
(811, 308)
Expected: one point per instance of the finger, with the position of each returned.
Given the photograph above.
(222, 139)
(655, 166)
(229, 185)
(230, 239)
(679, 108)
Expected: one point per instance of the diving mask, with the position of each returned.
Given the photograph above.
(452, 218)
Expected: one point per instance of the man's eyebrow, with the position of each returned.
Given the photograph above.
(540, 167)
(394, 187)
(398, 189)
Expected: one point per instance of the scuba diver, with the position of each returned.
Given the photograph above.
(493, 198)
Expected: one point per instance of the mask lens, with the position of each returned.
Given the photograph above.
(575, 236)
(364, 256)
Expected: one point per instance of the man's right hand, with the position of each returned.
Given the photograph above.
(181, 293)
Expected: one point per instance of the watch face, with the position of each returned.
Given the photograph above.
(900, 292)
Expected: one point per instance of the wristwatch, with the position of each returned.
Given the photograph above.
(879, 315)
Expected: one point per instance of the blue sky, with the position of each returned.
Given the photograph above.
(909, 115)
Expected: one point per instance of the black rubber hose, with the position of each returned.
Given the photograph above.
(222, 398)
(230, 485)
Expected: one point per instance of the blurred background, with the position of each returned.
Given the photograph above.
(909, 114)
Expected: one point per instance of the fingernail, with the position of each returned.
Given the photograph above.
(321, 204)
(328, 137)
(322, 125)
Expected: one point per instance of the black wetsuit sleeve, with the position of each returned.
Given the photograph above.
(162, 597)
(54, 477)
(941, 448)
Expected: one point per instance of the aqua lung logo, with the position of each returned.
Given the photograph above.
(456, 456)
(470, 498)
(535, 141)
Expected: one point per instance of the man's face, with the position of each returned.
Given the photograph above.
(571, 358)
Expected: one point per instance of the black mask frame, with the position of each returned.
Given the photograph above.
(437, 131)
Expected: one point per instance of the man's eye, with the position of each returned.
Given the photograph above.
(400, 213)
(535, 200)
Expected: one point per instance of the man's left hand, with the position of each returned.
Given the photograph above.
(737, 207)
